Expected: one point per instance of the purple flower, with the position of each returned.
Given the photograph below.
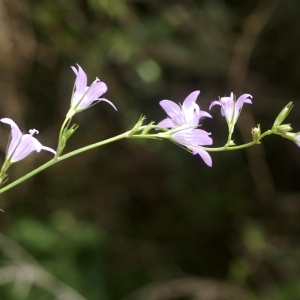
(21, 145)
(189, 113)
(183, 120)
(231, 109)
(84, 95)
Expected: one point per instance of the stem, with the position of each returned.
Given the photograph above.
(226, 148)
(230, 132)
(63, 157)
(116, 138)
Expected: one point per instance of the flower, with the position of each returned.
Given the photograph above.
(183, 120)
(84, 95)
(230, 108)
(189, 113)
(21, 145)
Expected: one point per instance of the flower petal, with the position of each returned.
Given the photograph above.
(203, 114)
(81, 80)
(216, 102)
(48, 149)
(192, 137)
(239, 104)
(109, 102)
(173, 110)
(228, 106)
(188, 104)
(26, 146)
(16, 135)
(204, 155)
(96, 90)
(167, 123)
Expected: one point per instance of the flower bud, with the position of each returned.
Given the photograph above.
(284, 128)
(231, 143)
(283, 114)
(256, 133)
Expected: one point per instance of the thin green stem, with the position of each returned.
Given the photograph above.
(230, 132)
(63, 157)
(231, 148)
(126, 134)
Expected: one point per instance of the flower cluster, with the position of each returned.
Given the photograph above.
(83, 97)
(181, 126)
(183, 121)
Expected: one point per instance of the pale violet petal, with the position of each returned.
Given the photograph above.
(214, 103)
(192, 137)
(48, 149)
(203, 114)
(81, 81)
(167, 123)
(188, 103)
(228, 106)
(16, 135)
(239, 104)
(27, 145)
(203, 154)
(173, 110)
(94, 92)
(109, 102)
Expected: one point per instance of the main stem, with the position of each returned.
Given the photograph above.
(116, 138)
(63, 157)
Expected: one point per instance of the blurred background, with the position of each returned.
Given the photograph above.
(143, 219)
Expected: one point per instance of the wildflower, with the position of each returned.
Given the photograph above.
(21, 145)
(183, 121)
(230, 108)
(84, 96)
(189, 113)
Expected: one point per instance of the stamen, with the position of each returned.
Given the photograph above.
(33, 131)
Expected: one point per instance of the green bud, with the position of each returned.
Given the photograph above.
(147, 128)
(231, 143)
(284, 128)
(138, 125)
(256, 133)
(283, 114)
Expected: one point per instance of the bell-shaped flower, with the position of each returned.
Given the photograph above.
(21, 145)
(84, 96)
(230, 108)
(189, 113)
(183, 121)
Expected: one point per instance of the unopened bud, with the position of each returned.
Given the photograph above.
(256, 133)
(283, 114)
(284, 128)
(231, 143)
(138, 125)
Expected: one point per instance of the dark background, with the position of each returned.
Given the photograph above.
(143, 219)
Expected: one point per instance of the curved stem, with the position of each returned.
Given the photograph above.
(63, 157)
(119, 137)
(231, 148)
